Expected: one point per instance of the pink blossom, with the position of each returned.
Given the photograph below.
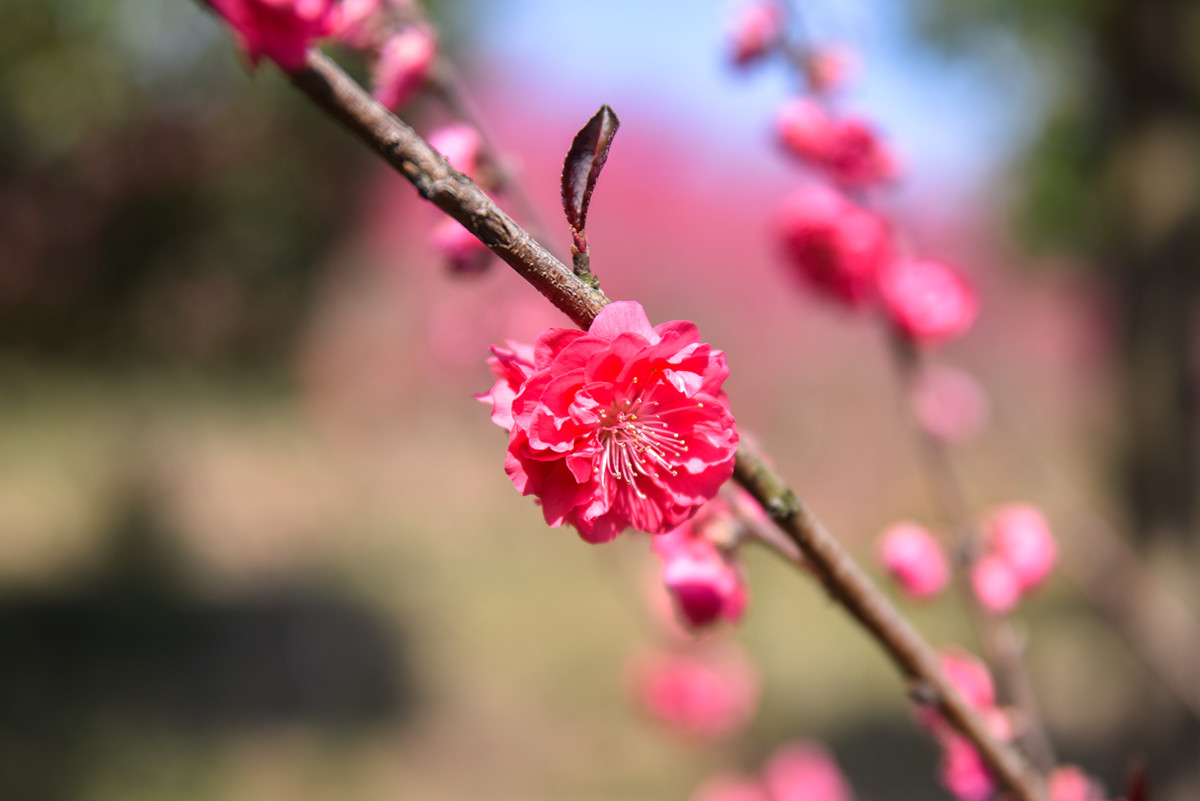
(963, 772)
(834, 246)
(927, 301)
(949, 403)
(806, 129)
(404, 63)
(727, 787)
(914, 559)
(805, 772)
(357, 26)
(970, 677)
(828, 68)
(624, 425)
(973, 681)
(464, 253)
(705, 693)
(460, 144)
(996, 585)
(281, 30)
(756, 31)
(1019, 535)
(705, 583)
(846, 149)
(1069, 783)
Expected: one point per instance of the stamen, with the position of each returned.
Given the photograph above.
(636, 446)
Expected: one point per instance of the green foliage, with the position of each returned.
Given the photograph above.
(156, 201)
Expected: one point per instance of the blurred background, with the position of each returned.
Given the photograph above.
(256, 541)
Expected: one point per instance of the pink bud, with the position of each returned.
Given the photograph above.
(730, 788)
(846, 149)
(997, 587)
(833, 245)
(1069, 783)
(705, 586)
(281, 30)
(705, 582)
(970, 677)
(806, 129)
(805, 772)
(949, 403)
(828, 68)
(914, 559)
(856, 158)
(756, 31)
(704, 693)
(1019, 536)
(357, 24)
(404, 63)
(927, 301)
(460, 145)
(964, 772)
(464, 253)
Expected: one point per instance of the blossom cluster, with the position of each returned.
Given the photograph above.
(963, 771)
(1018, 555)
(831, 240)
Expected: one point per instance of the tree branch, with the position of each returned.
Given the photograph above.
(335, 92)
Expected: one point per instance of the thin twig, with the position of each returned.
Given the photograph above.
(1003, 647)
(335, 92)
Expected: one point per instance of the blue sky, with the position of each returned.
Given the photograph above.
(952, 122)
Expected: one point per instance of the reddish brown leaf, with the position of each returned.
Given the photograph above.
(582, 166)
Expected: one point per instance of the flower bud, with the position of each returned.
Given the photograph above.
(464, 253)
(833, 245)
(756, 31)
(914, 559)
(460, 145)
(1020, 536)
(705, 693)
(927, 301)
(404, 63)
(996, 586)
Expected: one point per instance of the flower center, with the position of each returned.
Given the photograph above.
(635, 442)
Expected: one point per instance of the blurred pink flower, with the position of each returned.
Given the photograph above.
(462, 250)
(996, 586)
(357, 23)
(281, 30)
(460, 144)
(704, 693)
(973, 681)
(403, 65)
(757, 30)
(1019, 535)
(624, 425)
(927, 301)
(914, 559)
(846, 149)
(706, 584)
(805, 771)
(829, 67)
(970, 677)
(728, 787)
(833, 245)
(949, 403)
(1069, 783)
(964, 772)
